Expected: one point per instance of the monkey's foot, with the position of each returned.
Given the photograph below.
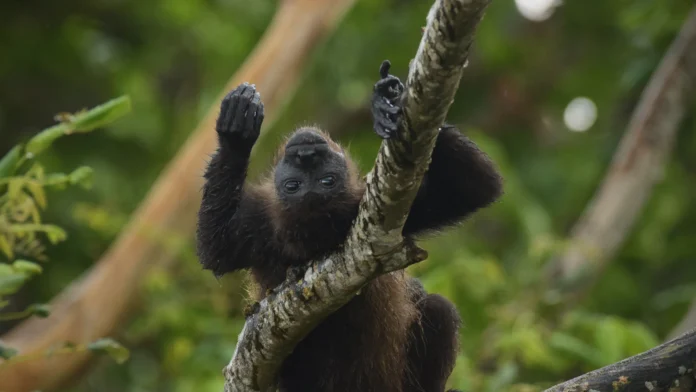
(386, 102)
(241, 115)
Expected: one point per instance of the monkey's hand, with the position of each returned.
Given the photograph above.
(386, 102)
(241, 115)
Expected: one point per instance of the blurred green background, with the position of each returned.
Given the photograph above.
(530, 61)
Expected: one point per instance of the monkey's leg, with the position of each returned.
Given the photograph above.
(434, 344)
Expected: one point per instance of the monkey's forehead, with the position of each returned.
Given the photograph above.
(333, 145)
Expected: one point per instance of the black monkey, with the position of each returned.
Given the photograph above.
(393, 336)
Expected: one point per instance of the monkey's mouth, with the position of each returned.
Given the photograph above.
(310, 201)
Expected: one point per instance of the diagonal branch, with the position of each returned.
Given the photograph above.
(374, 245)
(668, 367)
(638, 164)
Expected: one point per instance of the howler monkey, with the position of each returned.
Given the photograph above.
(393, 336)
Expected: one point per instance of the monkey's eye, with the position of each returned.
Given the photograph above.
(328, 181)
(292, 186)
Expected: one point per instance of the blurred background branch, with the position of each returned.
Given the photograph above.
(639, 163)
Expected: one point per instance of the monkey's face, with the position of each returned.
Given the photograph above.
(310, 172)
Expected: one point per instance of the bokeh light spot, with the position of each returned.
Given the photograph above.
(580, 114)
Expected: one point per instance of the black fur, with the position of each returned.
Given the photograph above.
(393, 337)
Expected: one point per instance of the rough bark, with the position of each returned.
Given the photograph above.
(374, 245)
(637, 165)
(668, 367)
(96, 304)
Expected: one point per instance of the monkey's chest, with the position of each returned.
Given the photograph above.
(360, 347)
(339, 355)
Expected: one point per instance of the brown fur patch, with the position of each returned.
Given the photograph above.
(386, 342)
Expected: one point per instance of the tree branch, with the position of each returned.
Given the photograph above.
(668, 367)
(637, 165)
(374, 245)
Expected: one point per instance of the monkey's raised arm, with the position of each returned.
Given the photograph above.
(225, 238)
(461, 178)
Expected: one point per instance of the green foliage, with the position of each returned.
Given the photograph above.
(522, 74)
(23, 196)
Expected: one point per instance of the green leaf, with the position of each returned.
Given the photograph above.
(45, 138)
(40, 310)
(80, 122)
(109, 346)
(8, 163)
(14, 187)
(6, 247)
(639, 338)
(572, 345)
(56, 180)
(3, 303)
(6, 269)
(7, 352)
(609, 337)
(37, 192)
(55, 234)
(82, 176)
(10, 284)
(102, 114)
(27, 267)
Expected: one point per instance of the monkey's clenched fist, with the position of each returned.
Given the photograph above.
(241, 115)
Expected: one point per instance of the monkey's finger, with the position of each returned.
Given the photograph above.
(240, 88)
(242, 108)
(387, 82)
(259, 118)
(382, 132)
(250, 120)
(390, 87)
(385, 122)
(227, 109)
(387, 107)
(384, 69)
